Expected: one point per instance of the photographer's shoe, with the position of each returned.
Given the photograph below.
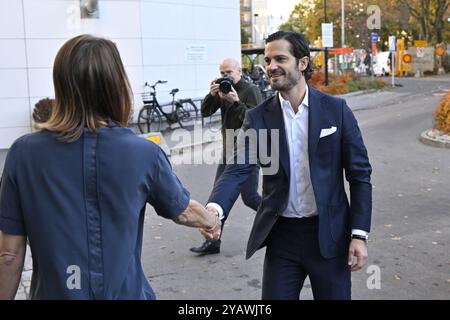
(208, 247)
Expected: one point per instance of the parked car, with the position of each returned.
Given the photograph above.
(382, 64)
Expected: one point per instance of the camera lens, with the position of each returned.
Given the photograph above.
(225, 86)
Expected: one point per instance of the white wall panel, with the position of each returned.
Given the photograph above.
(216, 24)
(13, 83)
(167, 21)
(11, 19)
(41, 53)
(41, 83)
(12, 53)
(51, 18)
(14, 111)
(9, 135)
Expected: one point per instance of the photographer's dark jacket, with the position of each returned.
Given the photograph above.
(233, 114)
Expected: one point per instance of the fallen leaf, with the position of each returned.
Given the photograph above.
(396, 238)
(397, 277)
(410, 246)
(434, 242)
(428, 189)
(400, 195)
(406, 217)
(448, 280)
(162, 247)
(388, 225)
(160, 224)
(157, 238)
(437, 231)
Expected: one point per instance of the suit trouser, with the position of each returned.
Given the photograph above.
(292, 254)
(249, 190)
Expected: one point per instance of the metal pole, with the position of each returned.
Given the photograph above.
(326, 49)
(393, 69)
(342, 27)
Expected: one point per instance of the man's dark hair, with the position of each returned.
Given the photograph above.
(299, 47)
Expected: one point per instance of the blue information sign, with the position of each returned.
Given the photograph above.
(374, 37)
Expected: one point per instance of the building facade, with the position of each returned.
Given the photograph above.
(180, 41)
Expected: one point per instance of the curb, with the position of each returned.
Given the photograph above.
(440, 141)
(357, 93)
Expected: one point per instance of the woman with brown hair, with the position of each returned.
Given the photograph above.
(78, 188)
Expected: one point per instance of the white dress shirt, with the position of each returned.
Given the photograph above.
(301, 201)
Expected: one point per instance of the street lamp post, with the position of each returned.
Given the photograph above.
(342, 27)
(344, 60)
(326, 49)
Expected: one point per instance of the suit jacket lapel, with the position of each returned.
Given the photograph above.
(273, 117)
(314, 116)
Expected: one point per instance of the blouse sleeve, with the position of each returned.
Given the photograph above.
(167, 195)
(11, 216)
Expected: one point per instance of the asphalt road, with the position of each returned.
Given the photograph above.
(409, 241)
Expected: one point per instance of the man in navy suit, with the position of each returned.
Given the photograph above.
(305, 219)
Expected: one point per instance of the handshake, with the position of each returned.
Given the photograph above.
(207, 220)
(214, 232)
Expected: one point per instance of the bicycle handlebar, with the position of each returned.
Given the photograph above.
(156, 83)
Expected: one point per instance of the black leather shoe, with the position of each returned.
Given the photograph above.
(208, 247)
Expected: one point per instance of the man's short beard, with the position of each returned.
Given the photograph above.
(289, 84)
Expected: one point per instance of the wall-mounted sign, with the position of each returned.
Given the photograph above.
(195, 53)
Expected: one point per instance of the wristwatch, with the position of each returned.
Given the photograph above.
(360, 237)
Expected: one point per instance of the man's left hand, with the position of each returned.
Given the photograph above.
(231, 96)
(357, 249)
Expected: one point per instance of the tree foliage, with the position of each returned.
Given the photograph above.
(397, 18)
(430, 15)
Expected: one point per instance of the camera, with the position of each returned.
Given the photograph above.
(225, 84)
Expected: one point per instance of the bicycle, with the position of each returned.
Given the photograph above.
(150, 115)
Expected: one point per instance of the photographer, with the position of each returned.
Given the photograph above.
(234, 96)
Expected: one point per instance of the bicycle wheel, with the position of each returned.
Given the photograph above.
(149, 119)
(182, 113)
(193, 106)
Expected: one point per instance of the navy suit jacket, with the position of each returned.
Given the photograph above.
(329, 157)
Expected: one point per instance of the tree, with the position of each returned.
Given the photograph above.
(308, 15)
(439, 10)
(430, 15)
(306, 18)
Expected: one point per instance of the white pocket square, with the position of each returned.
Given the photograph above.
(327, 132)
